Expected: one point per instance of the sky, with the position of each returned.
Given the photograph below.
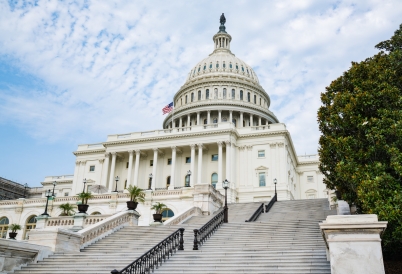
(72, 72)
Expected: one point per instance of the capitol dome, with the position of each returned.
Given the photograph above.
(221, 88)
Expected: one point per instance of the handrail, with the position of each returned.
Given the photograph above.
(256, 214)
(271, 203)
(153, 257)
(202, 234)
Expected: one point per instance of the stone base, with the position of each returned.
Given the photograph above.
(155, 224)
(59, 240)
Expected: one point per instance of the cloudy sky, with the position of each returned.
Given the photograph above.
(73, 72)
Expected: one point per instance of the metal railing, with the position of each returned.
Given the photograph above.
(156, 255)
(256, 214)
(202, 234)
(271, 203)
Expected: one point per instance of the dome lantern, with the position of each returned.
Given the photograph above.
(222, 39)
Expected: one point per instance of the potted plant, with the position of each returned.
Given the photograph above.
(84, 196)
(68, 209)
(137, 195)
(159, 208)
(13, 228)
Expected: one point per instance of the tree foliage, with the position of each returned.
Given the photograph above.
(361, 142)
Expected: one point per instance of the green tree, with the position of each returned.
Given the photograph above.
(361, 142)
(68, 209)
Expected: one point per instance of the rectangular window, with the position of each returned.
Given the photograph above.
(127, 165)
(214, 157)
(169, 162)
(151, 163)
(310, 179)
(261, 153)
(66, 193)
(188, 160)
(255, 99)
(91, 168)
(261, 176)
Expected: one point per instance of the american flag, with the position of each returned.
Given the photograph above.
(168, 108)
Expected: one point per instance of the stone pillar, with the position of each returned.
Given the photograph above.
(192, 165)
(259, 121)
(173, 168)
(112, 168)
(180, 122)
(354, 243)
(220, 116)
(153, 184)
(241, 119)
(130, 167)
(251, 120)
(231, 116)
(199, 171)
(228, 160)
(105, 169)
(209, 117)
(198, 118)
(188, 120)
(220, 170)
(137, 165)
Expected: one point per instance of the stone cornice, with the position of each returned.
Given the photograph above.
(58, 182)
(89, 151)
(309, 163)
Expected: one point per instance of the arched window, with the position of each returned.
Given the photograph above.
(214, 179)
(30, 224)
(241, 95)
(260, 101)
(216, 93)
(96, 213)
(199, 68)
(187, 180)
(205, 66)
(224, 93)
(224, 65)
(186, 99)
(242, 68)
(217, 64)
(255, 99)
(166, 214)
(205, 121)
(167, 181)
(192, 97)
(199, 95)
(233, 93)
(207, 94)
(248, 96)
(215, 120)
(149, 183)
(230, 65)
(3, 227)
(224, 119)
(181, 101)
(237, 67)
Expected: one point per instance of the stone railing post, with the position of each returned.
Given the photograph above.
(354, 243)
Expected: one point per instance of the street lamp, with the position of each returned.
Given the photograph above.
(47, 195)
(54, 185)
(150, 181)
(189, 176)
(225, 185)
(116, 179)
(85, 181)
(276, 198)
(25, 188)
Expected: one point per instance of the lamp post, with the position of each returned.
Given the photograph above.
(85, 181)
(54, 185)
(117, 180)
(25, 188)
(189, 175)
(150, 181)
(48, 194)
(276, 198)
(225, 185)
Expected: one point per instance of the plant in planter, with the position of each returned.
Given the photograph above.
(159, 208)
(84, 196)
(68, 209)
(13, 228)
(137, 195)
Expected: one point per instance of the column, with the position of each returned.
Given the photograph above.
(241, 119)
(228, 160)
(112, 168)
(105, 169)
(180, 122)
(154, 168)
(251, 120)
(231, 116)
(198, 118)
(192, 165)
(130, 166)
(220, 116)
(76, 176)
(188, 120)
(209, 117)
(173, 168)
(199, 171)
(220, 171)
(136, 166)
(259, 121)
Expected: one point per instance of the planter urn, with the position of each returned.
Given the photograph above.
(158, 218)
(82, 208)
(12, 235)
(131, 205)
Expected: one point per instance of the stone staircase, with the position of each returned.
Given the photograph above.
(285, 240)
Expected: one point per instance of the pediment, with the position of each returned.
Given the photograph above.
(261, 168)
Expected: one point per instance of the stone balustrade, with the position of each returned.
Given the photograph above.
(68, 221)
(194, 211)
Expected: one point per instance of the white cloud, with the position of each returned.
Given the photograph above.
(108, 66)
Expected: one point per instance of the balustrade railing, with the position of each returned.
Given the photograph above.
(256, 214)
(206, 231)
(156, 255)
(271, 203)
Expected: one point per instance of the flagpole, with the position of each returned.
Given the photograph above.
(173, 116)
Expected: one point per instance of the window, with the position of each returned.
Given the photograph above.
(224, 93)
(207, 94)
(205, 121)
(210, 65)
(125, 184)
(215, 93)
(214, 157)
(261, 153)
(215, 120)
(310, 179)
(187, 180)
(241, 95)
(217, 64)
(199, 68)
(181, 101)
(188, 160)
(260, 101)
(261, 176)
(214, 179)
(169, 162)
(234, 121)
(30, 224)
(4, 227)
(127, 165)
(66, 193)
(242, 68)
(167, 181)
(224, 119)
(151, 163)
(224, 65)
(199, 95)
(311, 194)
(248, 97)
(91, 168)
(150, 183)
(255, 99)
(233, 93)
(237, 67)
(230, 65)
(185, 99)
(166, 214)
(96, 213)
(192, 97)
